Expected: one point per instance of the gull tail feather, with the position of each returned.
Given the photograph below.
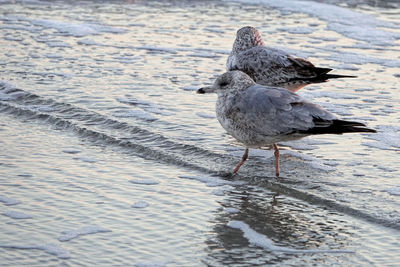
(337, 127)
(324, 77)
(321, 75)
(334, 76)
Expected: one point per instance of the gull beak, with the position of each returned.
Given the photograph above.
(205, 90)
(201, 91)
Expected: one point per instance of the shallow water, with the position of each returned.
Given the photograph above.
(110, 158)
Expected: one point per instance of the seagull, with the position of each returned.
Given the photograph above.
(271, 66)
(259, 116)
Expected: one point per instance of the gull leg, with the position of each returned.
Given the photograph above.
(245, 156)
(277, 168)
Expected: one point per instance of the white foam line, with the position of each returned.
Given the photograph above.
(210, 180)
(91, 229)
(361, 59)
(352, 24)
(53, 249)
(67, 27)
(263, 241)
(198, 52)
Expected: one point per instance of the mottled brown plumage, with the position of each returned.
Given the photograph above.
(273, 67)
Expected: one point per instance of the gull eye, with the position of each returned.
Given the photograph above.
(223, 84)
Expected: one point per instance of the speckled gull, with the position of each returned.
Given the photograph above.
(273, 67)
(259, 116)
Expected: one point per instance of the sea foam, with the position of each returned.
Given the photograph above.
(263, 241)
(91, 229)
(352, 24)
(210, 180)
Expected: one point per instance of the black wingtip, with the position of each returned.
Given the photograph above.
(335, 76)
(363, 130)
(337, 127)
(321, 71)
(325, 77)
(322, 76)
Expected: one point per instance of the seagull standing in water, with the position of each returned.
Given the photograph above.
(259, 116)
(273, 67)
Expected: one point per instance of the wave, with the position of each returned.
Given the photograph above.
(102, 130)
(354, 25)
(105, 130)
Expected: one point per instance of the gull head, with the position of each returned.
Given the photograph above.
(246, 38)
(228, 82)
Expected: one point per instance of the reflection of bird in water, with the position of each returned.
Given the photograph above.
(274, 199)
(258, 115)
(293, 227)
(273, 67)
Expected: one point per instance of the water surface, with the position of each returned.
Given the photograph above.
(110, 158)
